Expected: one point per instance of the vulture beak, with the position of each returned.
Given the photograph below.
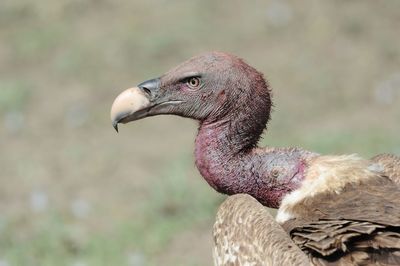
(139, 102)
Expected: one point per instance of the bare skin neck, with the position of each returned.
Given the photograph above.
(228, 158)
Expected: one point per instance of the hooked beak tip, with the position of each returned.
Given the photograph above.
(115, 126)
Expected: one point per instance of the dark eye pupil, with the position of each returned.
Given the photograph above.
(194, 82)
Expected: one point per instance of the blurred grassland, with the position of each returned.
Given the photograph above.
(72, 192)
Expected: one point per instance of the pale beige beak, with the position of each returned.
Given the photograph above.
(126, 104)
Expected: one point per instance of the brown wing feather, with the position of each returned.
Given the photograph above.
(246, 234)
(391, 164)
(359, 226)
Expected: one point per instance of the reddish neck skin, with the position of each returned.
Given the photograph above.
(231, 165)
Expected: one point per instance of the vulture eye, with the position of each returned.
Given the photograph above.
(193, 83)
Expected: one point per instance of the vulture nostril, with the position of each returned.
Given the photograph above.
(150, 86)
(146, 90)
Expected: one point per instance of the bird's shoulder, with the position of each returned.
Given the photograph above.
(357, 221)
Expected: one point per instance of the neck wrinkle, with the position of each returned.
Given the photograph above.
(221, 154)
(223, 138)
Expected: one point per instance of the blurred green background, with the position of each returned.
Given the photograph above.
(73, 192)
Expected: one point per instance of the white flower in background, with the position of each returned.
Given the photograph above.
(388, 90)
(136, 259)
(39, 201)
(80, 208)
(3, 262)
(76, 116)
(14, 121)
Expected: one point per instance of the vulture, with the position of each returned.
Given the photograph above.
(332, 210)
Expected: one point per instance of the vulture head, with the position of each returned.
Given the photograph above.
(210, 87)
(232, 102)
